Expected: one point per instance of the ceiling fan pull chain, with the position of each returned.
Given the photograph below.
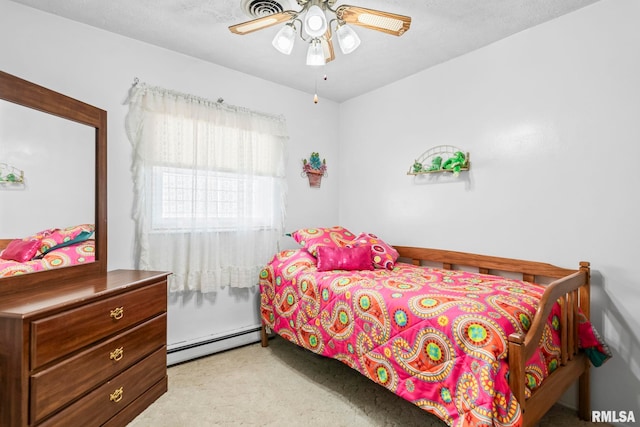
(315, 94)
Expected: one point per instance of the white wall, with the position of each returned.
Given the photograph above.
(98, 67)
(550, 118)
(56, 178)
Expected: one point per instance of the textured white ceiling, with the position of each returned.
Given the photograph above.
(440, 30)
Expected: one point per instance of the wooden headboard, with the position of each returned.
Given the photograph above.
(486, 264)
(4, 243)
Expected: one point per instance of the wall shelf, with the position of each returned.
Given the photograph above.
(11, 176)
(441, 171)
(441, 159)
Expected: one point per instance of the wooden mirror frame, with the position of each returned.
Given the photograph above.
(30, 95)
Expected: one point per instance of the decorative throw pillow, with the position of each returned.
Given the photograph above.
(384, 255)
(58, 236)
(41, 234)
(356, 258)
(84, 235)
(21, 250)
(312, 238)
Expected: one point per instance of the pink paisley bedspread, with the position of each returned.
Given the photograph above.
(437, 338)
(80, 253)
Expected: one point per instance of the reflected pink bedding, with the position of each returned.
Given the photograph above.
(80, 253)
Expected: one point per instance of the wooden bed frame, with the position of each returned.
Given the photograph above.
(569, 286)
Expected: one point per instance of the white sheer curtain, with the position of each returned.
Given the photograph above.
(210, 188)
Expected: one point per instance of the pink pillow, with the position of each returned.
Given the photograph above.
(384, 255)
(356, 258)
(21, 250)
(312, 238)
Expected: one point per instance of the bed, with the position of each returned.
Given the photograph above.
(474, 339)
(47, 249)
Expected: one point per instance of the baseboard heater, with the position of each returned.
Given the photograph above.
(185, 351)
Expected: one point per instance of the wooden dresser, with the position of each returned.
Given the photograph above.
(83, 352)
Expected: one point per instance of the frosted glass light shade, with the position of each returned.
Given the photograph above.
(347, 39)
(315, 54)
(284, 39)
(315, 23)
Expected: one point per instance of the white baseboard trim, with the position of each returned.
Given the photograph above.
(183, 352)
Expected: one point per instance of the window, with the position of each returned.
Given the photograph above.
(210, 200)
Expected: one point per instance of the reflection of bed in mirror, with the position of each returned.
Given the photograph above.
(77, 342)
(60, 144)
(47, 249)
(60, 190)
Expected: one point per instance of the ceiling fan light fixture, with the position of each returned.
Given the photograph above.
(315, 54)
(319, 25)
(284, 39)
(347, 39)
(315, 22)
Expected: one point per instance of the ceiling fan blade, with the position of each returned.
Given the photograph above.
(386, 22)
(327, 47)
(263, 22)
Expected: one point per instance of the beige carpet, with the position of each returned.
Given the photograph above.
(284, 385)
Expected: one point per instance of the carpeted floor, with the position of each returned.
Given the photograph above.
(284, 385)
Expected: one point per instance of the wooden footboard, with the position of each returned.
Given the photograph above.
(573, 293)
(570, 287)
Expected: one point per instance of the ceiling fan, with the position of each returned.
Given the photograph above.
(312, 25)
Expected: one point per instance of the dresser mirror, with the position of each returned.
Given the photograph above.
(67, 169)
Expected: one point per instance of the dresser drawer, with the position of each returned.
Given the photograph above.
(58, 385)
(58, 335)
(104, 402)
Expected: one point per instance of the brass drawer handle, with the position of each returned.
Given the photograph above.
(117, 354)
(116, 396)
(117, 313)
